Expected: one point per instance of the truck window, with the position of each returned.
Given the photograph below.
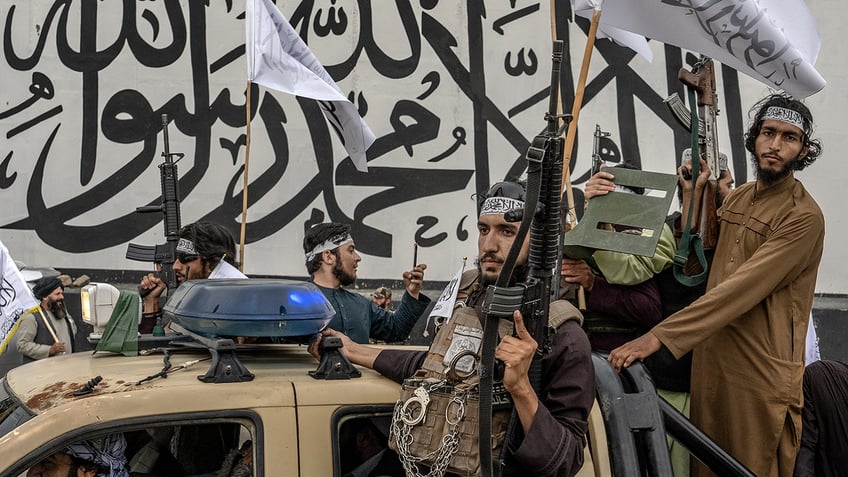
(177, 450)
(361, 443)
(12, 414)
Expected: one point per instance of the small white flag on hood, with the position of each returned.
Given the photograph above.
(278, 58)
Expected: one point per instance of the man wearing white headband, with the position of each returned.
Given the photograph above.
(550, 430)
(332, 261)
(202, 246)
(748, 330)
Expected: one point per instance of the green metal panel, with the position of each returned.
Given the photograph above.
(644, 212)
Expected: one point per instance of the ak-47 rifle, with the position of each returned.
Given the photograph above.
(164, 254)
(702, 80)
(541, 216)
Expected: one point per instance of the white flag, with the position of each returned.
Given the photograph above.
(225, 270)
(637, 43)
(773, 41)
(16, 298)
(278, 58)
(444, 305)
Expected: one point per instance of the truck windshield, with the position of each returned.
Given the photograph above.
(12, 414)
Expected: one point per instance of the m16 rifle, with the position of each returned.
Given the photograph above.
(164, 254)
(541, 216)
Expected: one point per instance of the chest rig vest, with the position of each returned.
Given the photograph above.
(435, 421)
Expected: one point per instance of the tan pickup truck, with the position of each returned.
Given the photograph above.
(190, 410)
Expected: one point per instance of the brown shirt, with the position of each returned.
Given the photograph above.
(748, 330)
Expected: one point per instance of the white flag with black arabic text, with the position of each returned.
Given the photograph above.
(444, 305)
(279, 59)
(16, 298)
(773, 41)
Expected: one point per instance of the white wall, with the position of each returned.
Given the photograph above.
(448, 115)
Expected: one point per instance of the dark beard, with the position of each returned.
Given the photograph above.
(519, 275)
(345, 279)
(58, 309)
(769, 177)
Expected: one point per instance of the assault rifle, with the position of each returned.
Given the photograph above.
(164, 254)
(541, 216)
(702, 80)
(597, 162)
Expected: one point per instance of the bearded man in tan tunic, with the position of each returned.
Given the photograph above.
(748, 330)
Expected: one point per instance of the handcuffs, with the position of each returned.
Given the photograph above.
(421, 396)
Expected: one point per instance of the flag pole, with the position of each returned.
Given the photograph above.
(48, 325)
(244, 187)
(575, 110)
(571, 132)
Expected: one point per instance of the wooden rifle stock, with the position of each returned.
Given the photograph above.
(708, 217)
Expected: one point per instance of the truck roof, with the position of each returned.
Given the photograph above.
(51, 383)
(281, 386)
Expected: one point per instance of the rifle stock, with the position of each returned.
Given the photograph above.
(708, 215)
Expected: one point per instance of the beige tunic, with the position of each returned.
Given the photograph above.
(28, 330)
(748, 330)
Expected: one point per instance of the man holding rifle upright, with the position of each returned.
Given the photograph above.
(748, 330)
(203, 247)
(550, 431)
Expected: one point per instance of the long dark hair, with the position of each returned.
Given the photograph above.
(211, 241)
(814, 146)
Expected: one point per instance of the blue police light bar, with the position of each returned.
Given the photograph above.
(251, 307)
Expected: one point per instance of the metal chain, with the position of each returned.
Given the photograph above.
(439, 458)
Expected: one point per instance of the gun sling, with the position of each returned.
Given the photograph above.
(690, 242)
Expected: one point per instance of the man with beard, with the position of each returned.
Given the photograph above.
(203, 248)
(550, 432)
(331, 261)
(50, 331)
(748, 330)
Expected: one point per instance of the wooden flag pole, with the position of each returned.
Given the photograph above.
(571, 132)
(244, 187)
(48, 325)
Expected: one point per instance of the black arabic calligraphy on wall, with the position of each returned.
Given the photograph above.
(184, 37)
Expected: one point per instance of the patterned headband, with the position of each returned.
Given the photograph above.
(107, 452)
(330, 244)
(787, 115)
(186, 246)
(500, 205)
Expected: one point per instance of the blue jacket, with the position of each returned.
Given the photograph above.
(360, 319)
